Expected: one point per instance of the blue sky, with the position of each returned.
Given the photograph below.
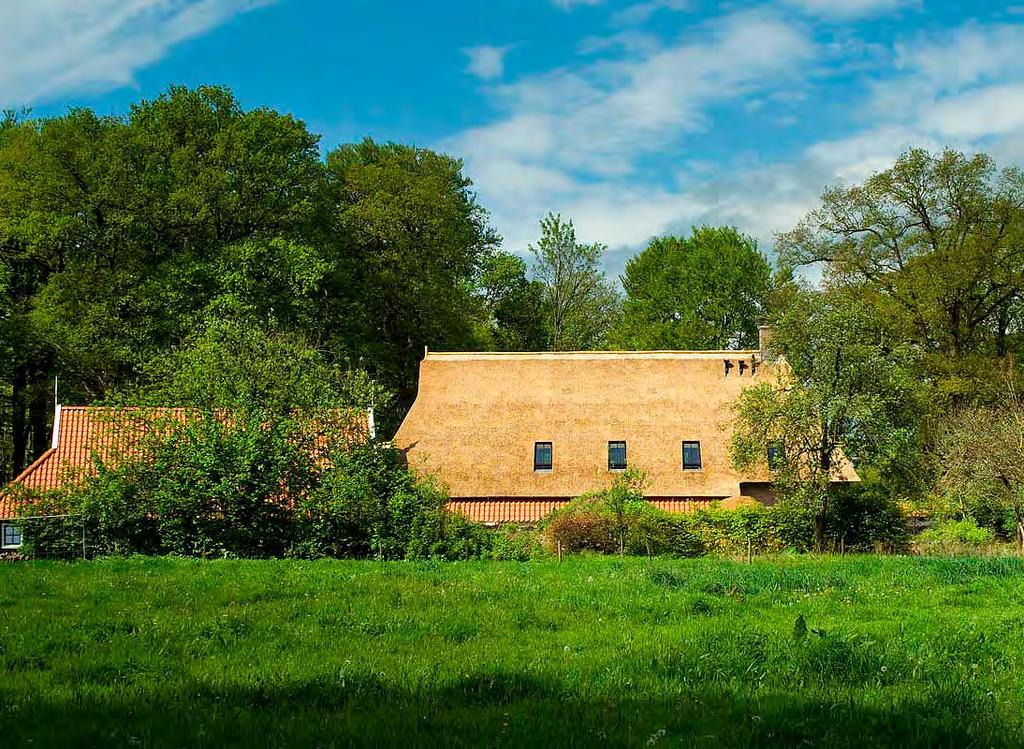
(632, 118)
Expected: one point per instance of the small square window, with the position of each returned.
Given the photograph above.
(617, 456)
(542, 455)
(11, 536)
(776, 456)
(691, 456)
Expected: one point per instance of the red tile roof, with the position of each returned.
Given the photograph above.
(81, 432)
(518, 510)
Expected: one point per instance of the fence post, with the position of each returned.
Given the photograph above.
(83, 538)
(559, 551)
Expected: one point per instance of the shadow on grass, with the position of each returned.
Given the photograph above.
(497, 708)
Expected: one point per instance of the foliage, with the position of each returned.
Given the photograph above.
(120, 237)
(934, 243)
(704, 291)
(865, 518)
(441, 534)
(981, 453)
(955, 535)
(580, 305)
(514, 303)
(514, 543)
(843, 390)
(412, 242)
(897, 652)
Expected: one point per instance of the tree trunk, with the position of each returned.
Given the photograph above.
(39, 438)
(1019, 518)
(19, 432)
(819, 531)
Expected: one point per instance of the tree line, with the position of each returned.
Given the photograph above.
(195, 253)
(192, 225)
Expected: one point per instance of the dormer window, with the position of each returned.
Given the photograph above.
(542, 456)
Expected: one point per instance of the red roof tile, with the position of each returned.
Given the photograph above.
(517, 510)
(81, 432)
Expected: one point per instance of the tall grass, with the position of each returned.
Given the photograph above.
(171, 652)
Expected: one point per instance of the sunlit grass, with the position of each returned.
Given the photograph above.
(163, 652)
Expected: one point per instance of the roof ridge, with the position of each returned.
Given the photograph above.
(35, 464)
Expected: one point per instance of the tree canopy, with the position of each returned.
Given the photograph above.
(704, 291)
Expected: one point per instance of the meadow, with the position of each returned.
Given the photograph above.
(827, 651)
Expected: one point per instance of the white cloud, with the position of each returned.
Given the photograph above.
(487, 62)
(570, 4)
(573, 139)
(848, 9)
(641, 12)
(992, 110)
(54, 47)
(614, 141)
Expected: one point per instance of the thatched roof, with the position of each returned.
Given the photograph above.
(477, 416)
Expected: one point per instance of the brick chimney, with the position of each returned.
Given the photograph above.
(764, 337)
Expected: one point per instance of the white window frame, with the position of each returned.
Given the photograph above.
(3, 537)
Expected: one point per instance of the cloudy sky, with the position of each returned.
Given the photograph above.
(634, 119)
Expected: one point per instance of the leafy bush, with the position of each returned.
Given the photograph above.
(619, 520)
(364, 505)
(209, 486)
(954, 536)
(656, 532)
(513, 543)
(735, 531)
(440, 534)
(254, 486)
(865, 518)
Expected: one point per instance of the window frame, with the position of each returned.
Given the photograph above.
(539, 467)
(625, 456)
(4, 527)
(700, 456)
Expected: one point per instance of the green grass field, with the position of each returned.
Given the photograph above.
(168, 652)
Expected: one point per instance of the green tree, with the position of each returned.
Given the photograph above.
(114, 229)
(842, 389)
(580, 305)
(936, 243)
(412, 239)
(515, 304)
(705, 291)
(981, 453)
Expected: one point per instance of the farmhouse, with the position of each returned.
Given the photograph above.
(514, 435)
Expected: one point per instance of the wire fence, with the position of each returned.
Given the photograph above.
(50, 537)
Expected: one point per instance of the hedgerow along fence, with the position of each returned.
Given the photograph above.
(53, 537)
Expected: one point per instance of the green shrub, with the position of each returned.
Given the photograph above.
(865, 518)
(619, 520)
(734, 531)
(513, 543)
(365, 504)
(581, 527)
(953, 536)
(441, 534)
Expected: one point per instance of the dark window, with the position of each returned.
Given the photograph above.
(12, 536)
(776, 456)
(691, 456)
(616, 456)
(542, 456)
(728, 366)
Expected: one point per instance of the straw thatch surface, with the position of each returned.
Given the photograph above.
(477, 416)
